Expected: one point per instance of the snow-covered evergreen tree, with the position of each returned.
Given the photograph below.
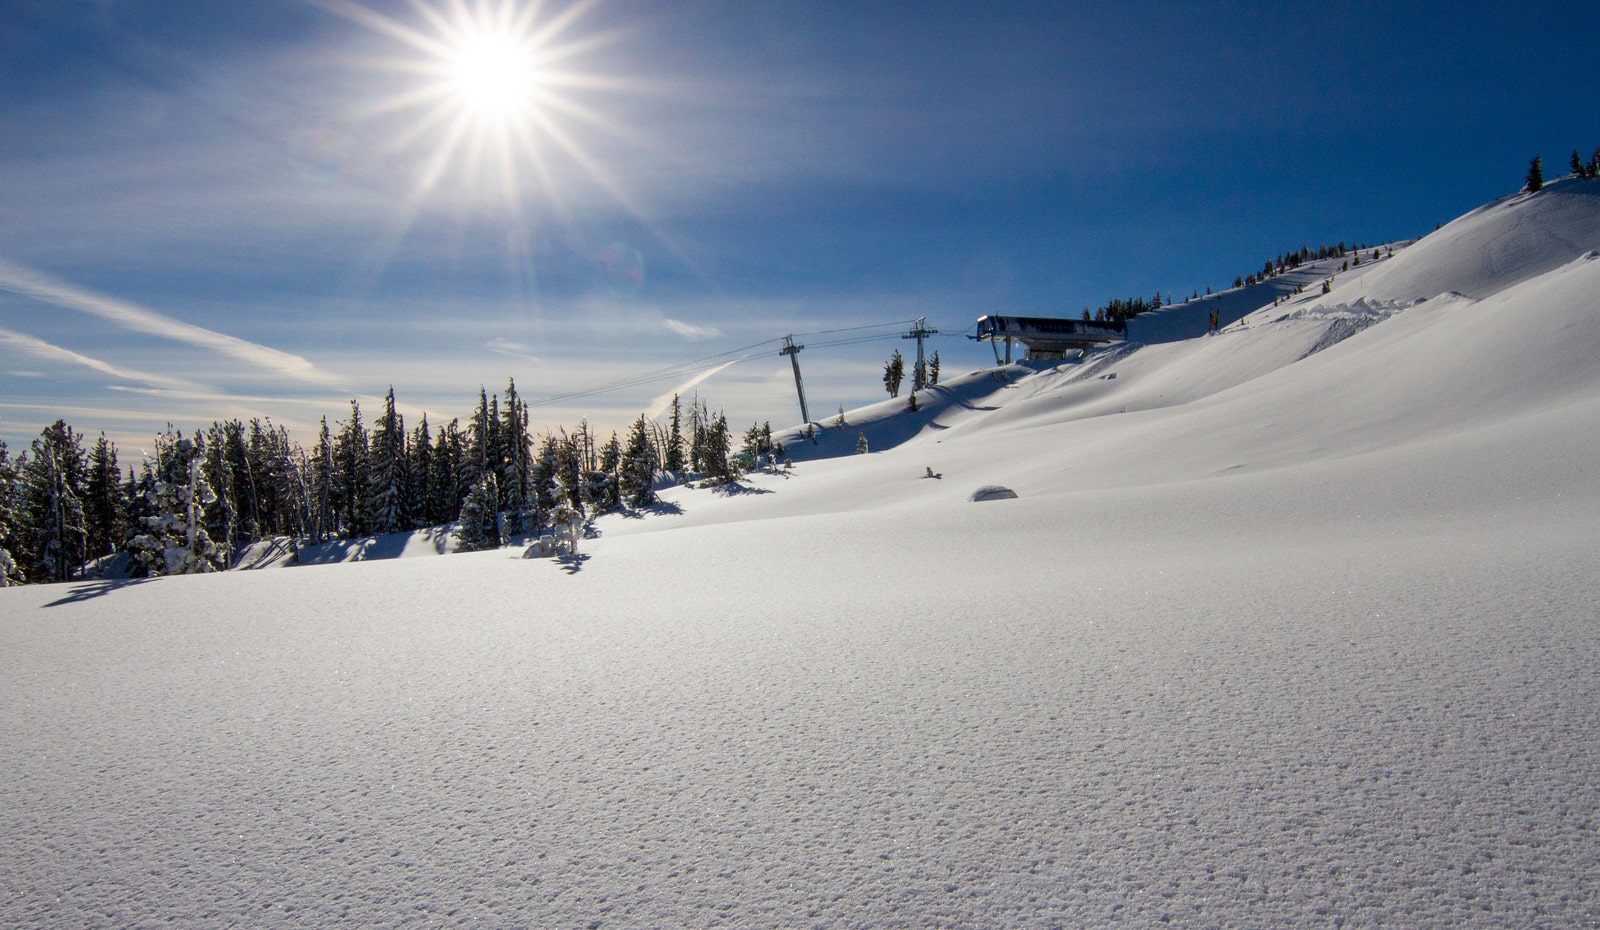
(699, 426)
(51, 517)
(322, 485)
(638, 467)
(601, 486)
(567, 516)
(672, 459)
(933, 367)
(351, 476)
(444, 477)
(480, 441)
(419, 469)
(894, 371)
(174, 541)
(102, 508)
(1535, 180)
(10, 572)
(717, 452)
(757, 445)
(387, 480)
(861, 444)
(480, 525)
(520, 506)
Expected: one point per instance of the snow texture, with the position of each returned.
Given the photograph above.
(1290, 625)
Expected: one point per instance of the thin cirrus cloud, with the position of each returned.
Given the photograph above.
(518, 350)
(42, 287)
(689, 330)
(45, 351)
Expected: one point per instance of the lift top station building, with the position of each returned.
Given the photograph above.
(1048, 337)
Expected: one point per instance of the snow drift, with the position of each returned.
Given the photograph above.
(1293, 624)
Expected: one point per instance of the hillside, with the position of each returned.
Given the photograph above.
(1291, 624)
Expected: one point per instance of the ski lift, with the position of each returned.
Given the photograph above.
(1048, 337)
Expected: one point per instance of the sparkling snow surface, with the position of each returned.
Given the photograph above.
(1281, 630)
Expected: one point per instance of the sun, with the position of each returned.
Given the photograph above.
(490, 99)
(493, 75)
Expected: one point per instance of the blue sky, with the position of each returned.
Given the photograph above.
(216, 209)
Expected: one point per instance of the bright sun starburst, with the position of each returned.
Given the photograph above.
(495, 76)
(493, 94)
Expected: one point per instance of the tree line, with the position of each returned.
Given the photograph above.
(1533, 182)
(200, 500)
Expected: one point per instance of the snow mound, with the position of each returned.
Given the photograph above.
(992, 492)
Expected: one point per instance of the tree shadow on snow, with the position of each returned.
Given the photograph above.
(734, 487)
(572, 564)
(659, 508)
(89, 590)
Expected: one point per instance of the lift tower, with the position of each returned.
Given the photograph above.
(919, 374)
(793, 351)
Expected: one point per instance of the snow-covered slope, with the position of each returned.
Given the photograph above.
(1289, 625)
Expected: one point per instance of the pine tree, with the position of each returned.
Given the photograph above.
(638, 468)
(1535, 182)
(137, 506)
(1594, 166)
(601, 491)
(520, 505)
(569, 465)
(478, 441)
(933, 365)
(419, 473)
(894, 371)
(567, 515)
(174, 541)
(387, 479)
(673, 460)
(751, 448)
(284, 501)
(102, 510)
(10, 572)
(480, 526)
(51, 517)
(716, 452)
(352, 475)
(1577, 164)
(323, 479)
(861, 444)
(444, 476)
(220, 517)
(542, 474)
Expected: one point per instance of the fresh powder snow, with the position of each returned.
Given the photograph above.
(1291, 624)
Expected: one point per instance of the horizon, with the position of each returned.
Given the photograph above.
(267, 212)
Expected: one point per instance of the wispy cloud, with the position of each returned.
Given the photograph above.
(41, 287)
(691, 331)
(518, 350)
(40, 349)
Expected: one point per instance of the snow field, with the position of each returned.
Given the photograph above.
(1245, 731)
